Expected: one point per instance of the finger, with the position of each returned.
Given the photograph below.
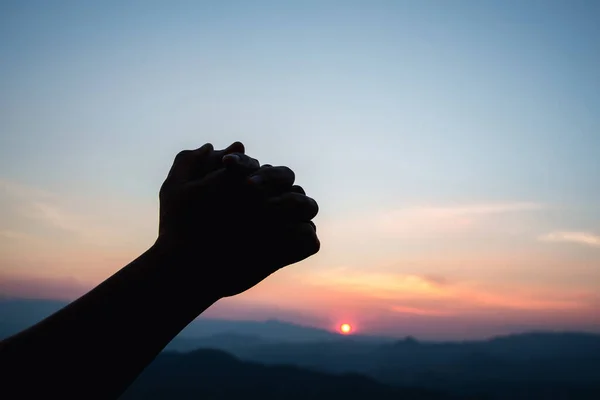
(215, 159)
(297, 189)
(221, 185)
(272, 181)
(238, 162)
(294, 243)
(235, 147)
(186, 161)
(291, 207)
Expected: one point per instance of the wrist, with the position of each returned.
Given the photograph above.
(178, 272)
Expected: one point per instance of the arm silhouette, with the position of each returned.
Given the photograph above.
(225, 224)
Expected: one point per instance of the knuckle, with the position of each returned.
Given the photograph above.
(316, 245)
(297, 200)
(204, 151)
(315, 206)
(311, 209)
(287, 172)
(254, 162)
(236, 146)
(298, 189)
(207, 147)
(182, 155)
(246, 160)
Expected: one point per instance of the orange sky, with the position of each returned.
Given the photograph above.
(453, 148)
(416, 270)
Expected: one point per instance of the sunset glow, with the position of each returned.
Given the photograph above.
(458, 197)
(345, 329)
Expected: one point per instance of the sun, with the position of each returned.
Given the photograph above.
(345, 328)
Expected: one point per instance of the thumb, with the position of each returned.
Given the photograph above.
(236, 167)
(219, 183)
(240, 163)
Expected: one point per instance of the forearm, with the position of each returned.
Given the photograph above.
(96, 346)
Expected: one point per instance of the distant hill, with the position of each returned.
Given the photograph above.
(271, 330)
(18, 314)
(223, 341)
(535, 365)
(212, 374)
(532, 365)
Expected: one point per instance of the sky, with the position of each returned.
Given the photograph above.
(453, 148)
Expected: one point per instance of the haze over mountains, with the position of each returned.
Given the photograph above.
(214, 374)
(260, 356)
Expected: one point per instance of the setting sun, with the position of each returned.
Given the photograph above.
(345, 328)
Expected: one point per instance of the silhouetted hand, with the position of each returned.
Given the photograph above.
(226, 223)
(231, 222)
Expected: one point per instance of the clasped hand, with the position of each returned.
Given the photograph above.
(233, 221)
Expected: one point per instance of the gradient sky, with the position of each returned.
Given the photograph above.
(453, 147)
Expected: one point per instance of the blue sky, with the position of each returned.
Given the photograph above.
(437, 136)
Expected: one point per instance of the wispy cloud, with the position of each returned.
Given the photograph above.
(89, 220)
(43, 207)
(448, 218)
(583, 238)
(53, 215)
(41, 288)
(385, 285)
(418, 294)
(416, 221)
(420, 311)
(24, 191)
(474, 209)
(9, 234)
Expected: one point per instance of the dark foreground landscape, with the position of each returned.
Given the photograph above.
(214, 359)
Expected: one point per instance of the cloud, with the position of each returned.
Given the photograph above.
(427, 221)
(42, 288)
(53, 215)
(386, 285)
(454, 217)
(420, 295)
(420, 311)
(9, 234)
(583, 238)
(380, 285)
(44, 209)
(474, 209)
(23, 191)
(28, 212)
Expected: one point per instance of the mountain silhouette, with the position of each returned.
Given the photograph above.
(18, 314)
(538, 365)
(213, 374)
